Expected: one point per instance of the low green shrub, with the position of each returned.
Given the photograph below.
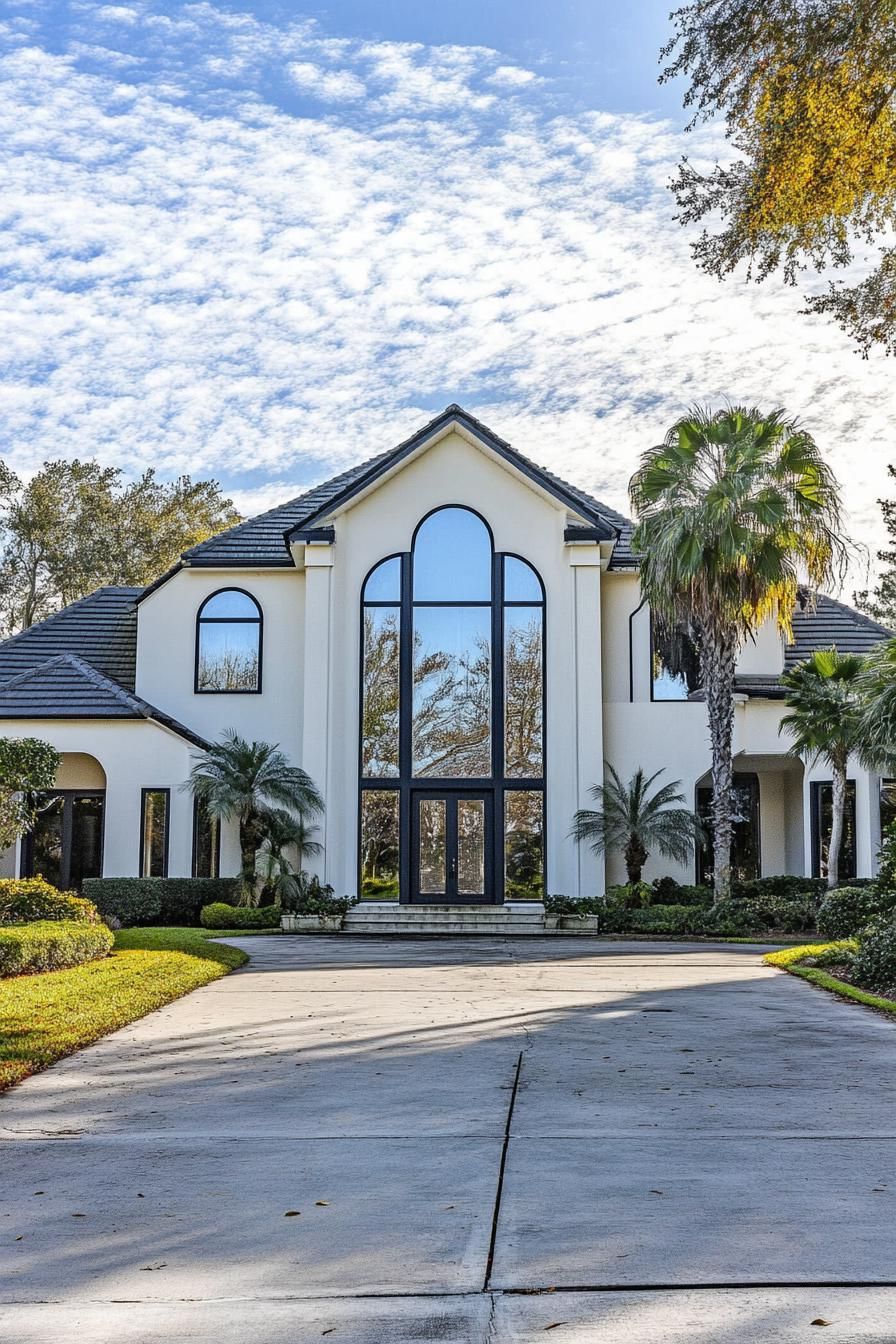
(221, 916)
(848, 910)
(169, 901)
(874, 965)
(307, 895)
(26, 899)
(629, 895)
(784, 886)
(666, 891)
(574, 905)
(661, 919)
(813, 954)
(766, 914)
(52, 945)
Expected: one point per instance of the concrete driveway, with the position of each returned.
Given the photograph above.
(462, 1141)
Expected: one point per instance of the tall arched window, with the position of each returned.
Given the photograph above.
(228, 643)
(452, 720)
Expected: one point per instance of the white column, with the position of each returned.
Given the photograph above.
(585, 562)
(867, 822)
(316, 685)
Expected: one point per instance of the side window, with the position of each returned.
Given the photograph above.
(675, 661)
(228, 643)
(154, 823)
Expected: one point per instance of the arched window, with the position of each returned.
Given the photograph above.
(228, 644)
(452, 719)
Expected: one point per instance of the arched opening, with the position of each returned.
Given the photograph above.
(66, 845)
(452, 720)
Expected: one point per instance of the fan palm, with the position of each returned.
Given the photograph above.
(877, 687)
(251, 781)
(825, 724)
(285, 830)
(731, 507)
(631, 819)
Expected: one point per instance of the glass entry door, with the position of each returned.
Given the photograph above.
(66, 844)
(451, 850)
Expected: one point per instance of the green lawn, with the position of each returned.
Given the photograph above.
(43, 1017)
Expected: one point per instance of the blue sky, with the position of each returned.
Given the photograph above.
(261, 241)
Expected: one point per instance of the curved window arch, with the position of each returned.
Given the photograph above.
(229, 644)
(452, 704)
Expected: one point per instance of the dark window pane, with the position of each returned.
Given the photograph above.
(384, 583)
(452, 692)
(87, 839)
(379, 844)
(822, 822)
(432, 841)
(887, 804)
(523, 845)
(470, 846)
(453, 558)
(206, 842)
(45, 841)
(230, 604)
(520, 581)
(379, 729)
(523, 692)
(744, 835)
(676, 662)
(228, 656)
(154, 835)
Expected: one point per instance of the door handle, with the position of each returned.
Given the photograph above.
(452, 868)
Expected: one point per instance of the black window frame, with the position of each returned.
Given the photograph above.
(26, 848)
(664, 700)
(497, 784)
(216, 847)
(815, 788)
(702, 871)
(228, 620)
(144, 794)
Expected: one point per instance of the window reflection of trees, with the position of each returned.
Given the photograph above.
(379, 749)
(452, 693)
(523, 693)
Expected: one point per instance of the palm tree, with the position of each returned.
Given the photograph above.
(877, 688)
(284, 829)
(731, 507)
(251, 781)
(825, 723)
(632, 819)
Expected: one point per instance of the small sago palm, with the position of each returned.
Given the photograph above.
(285, 831)
(633, 820)
(735, 508)
(249, 781)
(825, 724)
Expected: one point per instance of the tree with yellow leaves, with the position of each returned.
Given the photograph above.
(807, 89)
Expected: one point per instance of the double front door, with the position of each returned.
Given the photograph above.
(451, 849)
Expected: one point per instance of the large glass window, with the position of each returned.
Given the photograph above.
(206, 841)
(822, 823)
(675, 660)
(228, 643)
(66, 845)
(154, 833)
(379, 844)
(452, 672)
(745, 852)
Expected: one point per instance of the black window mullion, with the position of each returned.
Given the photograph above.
(65, 867)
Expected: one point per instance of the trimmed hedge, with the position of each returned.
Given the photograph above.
(23, 900)
(670, 919)
(170, 901)
(874, 965)
(52, 945)
(728, 919)
(848, 910)
(222, 916)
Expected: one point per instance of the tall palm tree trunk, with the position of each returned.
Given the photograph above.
(252, 836)
(635, 859)
(838, 809)
(718, 658)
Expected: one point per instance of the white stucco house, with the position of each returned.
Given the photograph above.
(452, 642)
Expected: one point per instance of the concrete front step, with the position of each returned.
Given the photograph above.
(489, 920)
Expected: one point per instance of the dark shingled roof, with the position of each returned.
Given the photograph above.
(262, 541)
(101, 629)
(828, 622)
(66, 687)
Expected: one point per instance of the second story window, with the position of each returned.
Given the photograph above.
(675, 661)
(228, 643)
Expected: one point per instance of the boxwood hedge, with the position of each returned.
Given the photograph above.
(172, 901)
(222, 916)
(51, 945)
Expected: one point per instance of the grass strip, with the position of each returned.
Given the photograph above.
(789, 960)
(45, 1017)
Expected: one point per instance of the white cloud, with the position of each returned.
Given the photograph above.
(334, 85)
(204, 281)
(512, 77)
